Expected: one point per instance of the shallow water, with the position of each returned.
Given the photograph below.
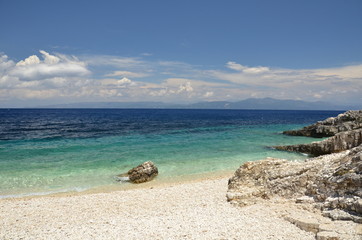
(54, 150)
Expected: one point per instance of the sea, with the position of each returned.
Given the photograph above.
(45, 151)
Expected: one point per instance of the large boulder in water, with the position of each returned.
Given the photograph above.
(143, 173)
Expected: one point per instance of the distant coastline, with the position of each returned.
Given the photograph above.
(247, 104)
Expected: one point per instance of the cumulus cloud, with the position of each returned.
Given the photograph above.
(29, 61)
(32, 68)
(50, 76)
(44, 71)
(35, 78)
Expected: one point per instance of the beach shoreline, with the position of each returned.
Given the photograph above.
(158, 182)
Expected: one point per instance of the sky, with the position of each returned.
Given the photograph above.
(55, 52)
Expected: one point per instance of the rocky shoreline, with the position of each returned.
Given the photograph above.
(347, 121)
(330, 183)
(340, 142)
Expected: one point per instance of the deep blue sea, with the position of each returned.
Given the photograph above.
(58, 150)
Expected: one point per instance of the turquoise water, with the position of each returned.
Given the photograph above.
(78, 164)
(31, 166)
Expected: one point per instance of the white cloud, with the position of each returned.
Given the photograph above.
(5, 65)
(33, 78)
(29, 61)
(33, 69)
(109, 93)
(127, 74)
(308, 84)
(292, 77)
(185, 88)
(244, 69)
(43, 71)
(49, 59)
(346, 72)
(208, 94)
(124, 82)
(235, 66)
(99, 78)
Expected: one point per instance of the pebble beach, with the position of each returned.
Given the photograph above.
(189, 210)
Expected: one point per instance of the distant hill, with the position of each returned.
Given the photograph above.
(270, 103)
(250, 103)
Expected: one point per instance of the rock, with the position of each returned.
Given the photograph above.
(323, 228)
(142, 173)
(347, 121)
(305, 199)
(304, 223)
(337, 214)
(340, 142)
(250, 181)
(359, 230)
(333, 181)
(327, 236)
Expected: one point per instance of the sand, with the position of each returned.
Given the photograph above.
(193, 210)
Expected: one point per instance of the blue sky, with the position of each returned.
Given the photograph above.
(179, 51)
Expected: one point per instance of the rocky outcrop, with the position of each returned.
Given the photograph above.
(347, 121)
(142, 173)
(340, 142)
(323, 228)
(331, 182)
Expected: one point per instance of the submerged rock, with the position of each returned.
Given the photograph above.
(333, 181)
(347, 121)
(340, 142)
(142, 173)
